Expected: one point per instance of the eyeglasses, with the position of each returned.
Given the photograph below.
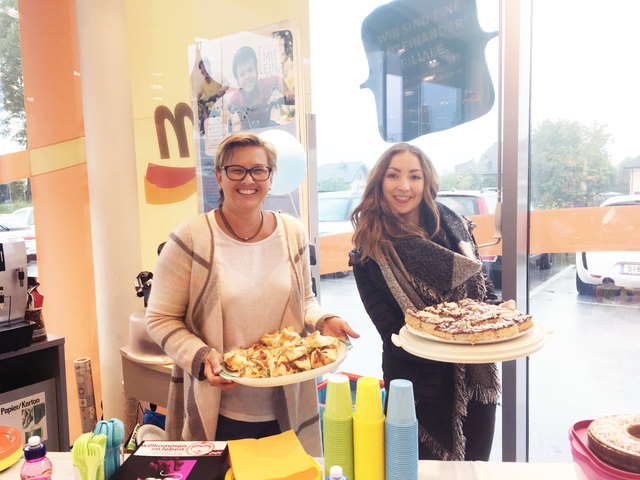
(259, 173)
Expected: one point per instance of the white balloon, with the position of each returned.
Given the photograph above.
(292, 161)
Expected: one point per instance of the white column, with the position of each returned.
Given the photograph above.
(111, 169)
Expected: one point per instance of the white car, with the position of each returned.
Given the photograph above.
(334, 211)
(25, 214)
(609, 268)
(12, 229)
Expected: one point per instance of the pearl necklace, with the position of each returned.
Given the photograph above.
(244, 239)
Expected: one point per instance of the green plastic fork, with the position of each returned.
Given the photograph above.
(79, 454)
(95, 458)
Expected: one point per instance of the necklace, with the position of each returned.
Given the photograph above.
(244, 239)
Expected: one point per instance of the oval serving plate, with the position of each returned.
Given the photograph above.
(289, 379)
(467, 353)
(434, 338)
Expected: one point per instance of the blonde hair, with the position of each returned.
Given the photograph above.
(228, 146)
(375, 223)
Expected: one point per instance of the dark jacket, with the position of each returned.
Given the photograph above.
(388, 317)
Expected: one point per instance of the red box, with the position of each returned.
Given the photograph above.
(588, 465)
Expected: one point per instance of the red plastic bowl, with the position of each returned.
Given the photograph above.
(589, 466)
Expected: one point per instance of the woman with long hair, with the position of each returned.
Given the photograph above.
(413, 252)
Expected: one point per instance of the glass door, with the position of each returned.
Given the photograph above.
(584, 263)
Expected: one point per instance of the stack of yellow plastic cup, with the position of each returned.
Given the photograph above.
(337, 426)
(368, 431)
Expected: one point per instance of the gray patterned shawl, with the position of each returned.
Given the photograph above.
(447, 268)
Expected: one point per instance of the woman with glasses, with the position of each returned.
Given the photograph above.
(223, 279)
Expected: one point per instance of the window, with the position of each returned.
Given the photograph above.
(583, 148)
(13, 134)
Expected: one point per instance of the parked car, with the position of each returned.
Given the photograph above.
(481, 202)
(25, 214)
(13, 229)
(469, 202)
(334, 211)
(609, 268)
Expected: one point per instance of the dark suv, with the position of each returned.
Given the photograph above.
(469, 202)
(475, 202)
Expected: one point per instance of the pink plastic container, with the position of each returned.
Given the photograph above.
(588, 465)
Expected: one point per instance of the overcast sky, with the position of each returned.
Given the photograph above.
(585, 68)
(582, 70)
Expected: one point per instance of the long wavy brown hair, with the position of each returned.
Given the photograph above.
(375, 223)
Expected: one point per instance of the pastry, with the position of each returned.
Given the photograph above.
(469, 321)
(615, 440)
(281, 353)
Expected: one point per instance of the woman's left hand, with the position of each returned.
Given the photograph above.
(336, 327)
(212, 369)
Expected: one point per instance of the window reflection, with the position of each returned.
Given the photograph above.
(583, 148)
(427, 67)
(16, 217)
(13, 132)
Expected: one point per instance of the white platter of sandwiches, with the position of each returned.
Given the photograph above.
(284, 357)
(469, 331)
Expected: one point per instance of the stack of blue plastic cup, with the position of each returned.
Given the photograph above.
(401, 433)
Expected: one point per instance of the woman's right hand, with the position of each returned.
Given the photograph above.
(212, 369)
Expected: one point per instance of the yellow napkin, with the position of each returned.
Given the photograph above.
(279, 457)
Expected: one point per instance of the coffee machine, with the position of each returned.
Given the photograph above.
(15, 331)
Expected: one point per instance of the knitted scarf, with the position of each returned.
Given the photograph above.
(447, 268)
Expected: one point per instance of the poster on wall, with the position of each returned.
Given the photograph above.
(427, 66)
(32, 411)
(247, 81)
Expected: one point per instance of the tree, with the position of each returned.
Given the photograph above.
(570, 164)
(333, 184)
(467, 181)
(11, 87)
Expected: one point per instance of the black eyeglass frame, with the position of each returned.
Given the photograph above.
(247, 171)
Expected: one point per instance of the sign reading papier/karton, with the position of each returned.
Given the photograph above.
(30, 410)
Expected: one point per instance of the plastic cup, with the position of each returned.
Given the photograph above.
(368, 401)
(401, 451)
(338, 402)
(368, 452)
(401, 409)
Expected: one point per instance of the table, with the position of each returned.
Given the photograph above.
(428, 470)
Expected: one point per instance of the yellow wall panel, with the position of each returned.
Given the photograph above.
(58, 156)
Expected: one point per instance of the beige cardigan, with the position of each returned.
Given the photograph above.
(185, 295)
